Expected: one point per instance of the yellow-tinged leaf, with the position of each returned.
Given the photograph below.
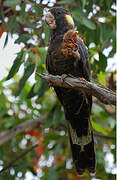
(98, 128)
(102, 78)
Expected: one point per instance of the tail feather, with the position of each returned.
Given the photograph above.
(83, 152)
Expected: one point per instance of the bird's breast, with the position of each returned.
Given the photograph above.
(62, 64)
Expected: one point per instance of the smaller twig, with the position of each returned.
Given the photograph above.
(20, 128)
(11, 163)
(96, 134)
(100, 135)
(112, 114)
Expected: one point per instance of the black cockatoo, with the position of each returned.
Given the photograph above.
(67, 54)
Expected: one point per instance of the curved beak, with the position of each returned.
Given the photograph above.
(50, 20)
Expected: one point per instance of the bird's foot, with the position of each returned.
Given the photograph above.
(85, 97)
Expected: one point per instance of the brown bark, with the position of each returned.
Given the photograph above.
(102, 93)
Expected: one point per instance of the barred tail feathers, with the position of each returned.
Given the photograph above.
(83, 152)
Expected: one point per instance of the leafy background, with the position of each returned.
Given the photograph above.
(21, 101)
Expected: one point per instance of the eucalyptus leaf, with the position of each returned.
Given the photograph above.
(102, 62)
(23, 38)
(11, 3)
(88, 23)
(16, 65)
(12, 24)
(98, 128)
(39, 11)
(23, 13)
(27, 73)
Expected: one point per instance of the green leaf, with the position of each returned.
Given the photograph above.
(83, 4)
(43, 51)
(23, 38)
(102, 62)
(15, 67)
(37, 85)
(2, 101)
(51, 136)
(47, 33)
(36, 58)
(65, 1)
(12, 24)
(105, 44)
(52, 174)
(27, 73)
(42, 89)
(105, 32)
(1, 16)
(31, 92)
(78, 12)
(22, 13)
(102, 78)
(98, 128)
(38, 10)
(88, 23)
(11, 3)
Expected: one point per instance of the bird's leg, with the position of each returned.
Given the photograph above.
(85, 97)
(80, 107)
(84, 94)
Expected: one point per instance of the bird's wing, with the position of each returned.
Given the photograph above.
(83, 51)
(51, 71)
(49, 66)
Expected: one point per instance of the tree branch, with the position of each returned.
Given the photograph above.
(20, 128)
(102, 93)
(34, 123)
(100, 135)
(112, 114)
(96, 134)
(11, 163)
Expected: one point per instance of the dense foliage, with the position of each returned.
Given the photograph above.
(20, 101)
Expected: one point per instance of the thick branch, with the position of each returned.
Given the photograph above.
(11, 163)
(20, 128)
(102, 93)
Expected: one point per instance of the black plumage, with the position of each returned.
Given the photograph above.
(77, 105)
